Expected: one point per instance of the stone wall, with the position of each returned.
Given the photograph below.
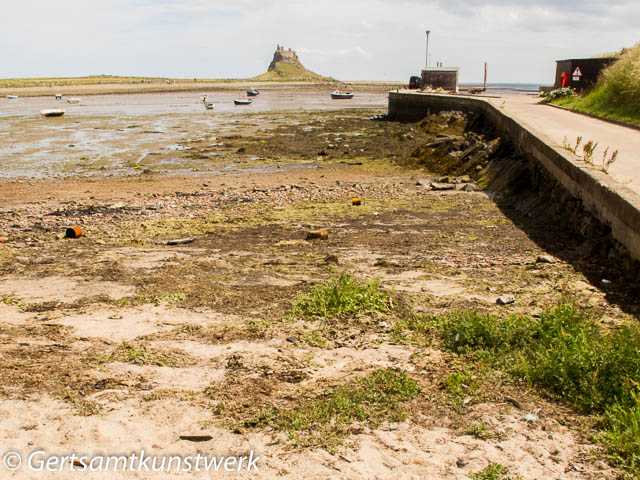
(614, 205)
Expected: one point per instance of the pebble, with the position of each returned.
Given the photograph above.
(545, 259)
(505, 300)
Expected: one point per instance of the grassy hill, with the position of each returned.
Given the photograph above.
(617, 93)
(285, 71)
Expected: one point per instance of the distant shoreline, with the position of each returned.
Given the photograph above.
(198, 86)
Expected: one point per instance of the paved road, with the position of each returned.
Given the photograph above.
(556, 124)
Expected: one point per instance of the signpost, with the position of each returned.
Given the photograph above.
(576, 75)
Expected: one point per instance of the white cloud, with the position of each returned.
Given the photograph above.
(355, 39)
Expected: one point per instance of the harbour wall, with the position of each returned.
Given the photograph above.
(614, 205)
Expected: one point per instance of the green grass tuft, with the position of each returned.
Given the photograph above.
(326, 421)
(341, 298)
(493, 471)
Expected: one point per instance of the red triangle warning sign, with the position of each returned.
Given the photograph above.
(577, 72)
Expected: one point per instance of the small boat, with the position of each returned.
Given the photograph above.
(243, 101)
(58, 96)
(12, 97)
(252, 92)
(341, 96)
(73, 100)
(56, 112)
(208, 105)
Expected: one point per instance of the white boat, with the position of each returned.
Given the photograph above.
(58, 96)
(12, 97)
(341, 96)
(243, 101)
(73, 100)
(54, 112)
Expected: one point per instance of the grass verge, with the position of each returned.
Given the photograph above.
(326, 421)
(617, 94)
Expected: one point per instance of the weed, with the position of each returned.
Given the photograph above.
(168, 298)
(414, 329)
(341, 298)
(13, 302)
(326, 420)
(479, 431)
(493, 471)
(587, 151)
(567, 353)
(131, 353)
(459, 386)
(607, 162)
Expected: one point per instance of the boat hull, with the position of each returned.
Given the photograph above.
(342, 96)
(243, 102)
(52, 113)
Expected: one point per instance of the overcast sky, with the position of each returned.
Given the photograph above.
(346, 39)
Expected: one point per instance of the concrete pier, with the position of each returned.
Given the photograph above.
(610, 201)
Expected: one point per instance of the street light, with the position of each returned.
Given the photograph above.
(427, 60)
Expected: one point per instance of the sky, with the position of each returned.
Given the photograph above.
(346, 39)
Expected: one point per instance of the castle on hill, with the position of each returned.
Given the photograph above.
(285, 56)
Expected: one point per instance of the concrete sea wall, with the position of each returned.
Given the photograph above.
(610, 202)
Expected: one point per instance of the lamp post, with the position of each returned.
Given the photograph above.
(427, 59)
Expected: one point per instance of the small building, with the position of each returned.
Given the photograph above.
(441, 77)
(583, 73)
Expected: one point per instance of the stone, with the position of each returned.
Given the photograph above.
(505, 300)
(331, 259)
(470, 187)
(545, 259)
(442, 186)
(321, 234)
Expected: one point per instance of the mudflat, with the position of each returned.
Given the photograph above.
(184, 308)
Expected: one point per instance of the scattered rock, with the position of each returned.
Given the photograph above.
(442, 186)
(241, 150)
(505, 300)
(331, 259)
(461, 462)
(470, 187)
(545, 259)
(292, 339)
(321, 234)
(180, 241)
(196, 438)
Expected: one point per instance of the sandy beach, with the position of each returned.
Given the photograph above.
(172, 314)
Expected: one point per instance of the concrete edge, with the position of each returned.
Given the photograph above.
(608, 200)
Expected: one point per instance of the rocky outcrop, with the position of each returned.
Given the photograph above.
(286, 66)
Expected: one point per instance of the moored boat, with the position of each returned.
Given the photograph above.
(252, 92)
(243, 101)
(54, 112)
(208, 105)
(12, 97)
(341, 96)
(73, 100)
(58, 96)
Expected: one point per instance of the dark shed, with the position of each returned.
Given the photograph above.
(583, 72)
